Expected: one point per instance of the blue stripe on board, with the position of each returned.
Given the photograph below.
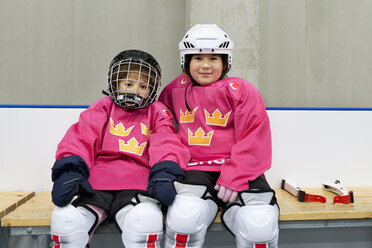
(267, 108)
(319, 108)
(42, 106)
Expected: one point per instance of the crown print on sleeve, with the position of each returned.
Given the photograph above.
(216, 118)
(187, 117)
(132, 146)
(199, 139)
(119, 129)
(144, 129)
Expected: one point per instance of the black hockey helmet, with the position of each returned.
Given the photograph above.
(149, 74)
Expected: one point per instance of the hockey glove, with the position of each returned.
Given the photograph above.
(161, 178)
(69, 175)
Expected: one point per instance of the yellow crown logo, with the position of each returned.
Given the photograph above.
(187, 117)
(132, 146)
(199, 139)
(119, 129)
(144, 129)
(216, 118)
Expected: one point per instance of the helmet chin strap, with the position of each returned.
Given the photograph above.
(130, 100)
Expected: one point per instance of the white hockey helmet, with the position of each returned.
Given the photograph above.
(208, 39)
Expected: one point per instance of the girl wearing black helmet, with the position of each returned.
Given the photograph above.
(107, 157)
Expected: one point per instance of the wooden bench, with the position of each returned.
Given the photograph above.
(295, 214)
(9, 201)
(33, 218)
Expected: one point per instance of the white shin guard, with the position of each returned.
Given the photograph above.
(141, 225)
(189, 217)
(70, 226)
(253, 221)
(257, 225)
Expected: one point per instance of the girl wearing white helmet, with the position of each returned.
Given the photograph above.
(223, 122)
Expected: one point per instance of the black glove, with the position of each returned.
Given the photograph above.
(69, 175)
(161, 178)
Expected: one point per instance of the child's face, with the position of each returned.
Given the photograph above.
(135, 83)
(206, 68)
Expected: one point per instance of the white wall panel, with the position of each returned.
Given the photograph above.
(309, 147)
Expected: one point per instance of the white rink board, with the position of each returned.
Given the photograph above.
(29, 139)
(313, 147)
(309, 146)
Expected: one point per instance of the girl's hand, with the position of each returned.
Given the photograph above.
(225, 194)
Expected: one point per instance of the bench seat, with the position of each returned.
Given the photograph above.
(34, 217)
(292, 210)
(10, 200)
(37, 211)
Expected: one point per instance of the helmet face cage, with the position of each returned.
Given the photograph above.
(206, 39)
(133, 83)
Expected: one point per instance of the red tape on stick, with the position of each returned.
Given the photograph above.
(344, 198)
(314, 198)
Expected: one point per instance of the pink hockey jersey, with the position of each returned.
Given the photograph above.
(226, 128)
(120, 146)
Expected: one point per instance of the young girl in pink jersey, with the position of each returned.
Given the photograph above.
(223, 122)
(122, 145)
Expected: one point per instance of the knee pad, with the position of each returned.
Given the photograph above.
(70, 226)
(253, 220)
(141, 224)
(189, 216)
(257, 224)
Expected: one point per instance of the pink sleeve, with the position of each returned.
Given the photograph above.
(165, 97)
(251, 155)
(83, 138)
(164, 144)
